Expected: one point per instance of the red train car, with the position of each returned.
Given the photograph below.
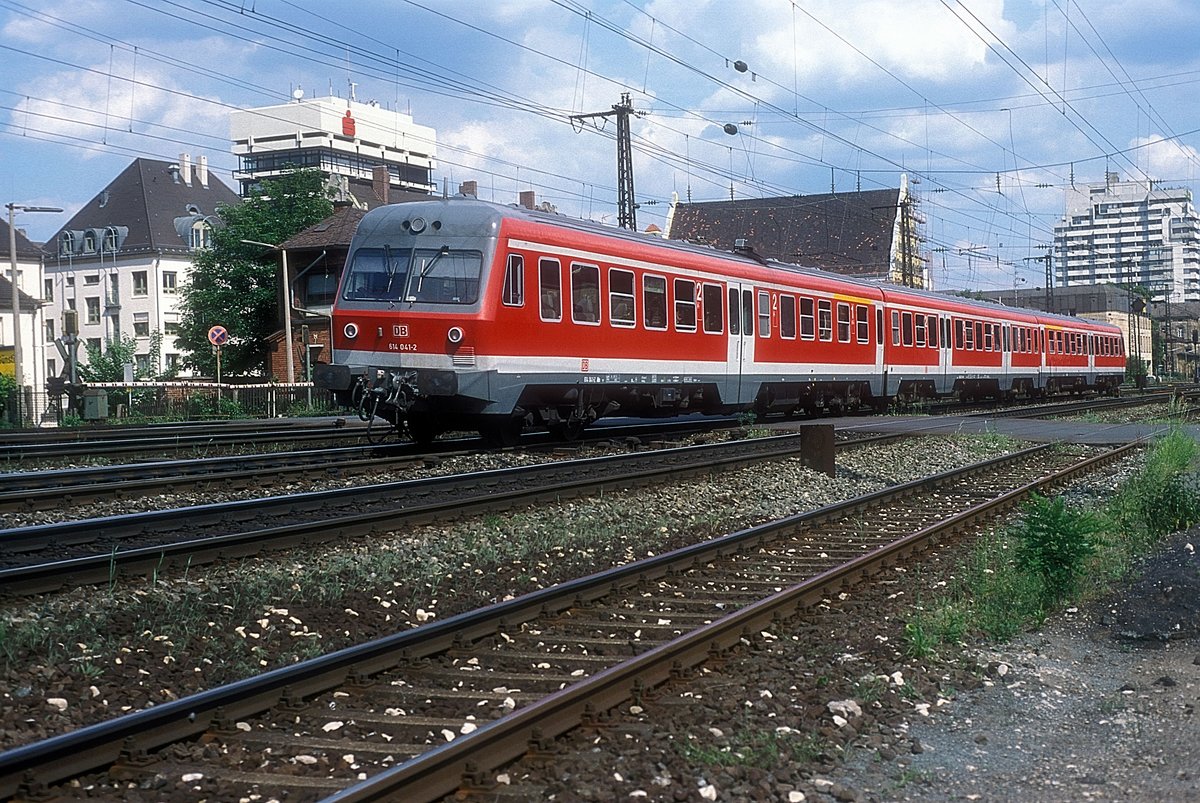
(456, 314)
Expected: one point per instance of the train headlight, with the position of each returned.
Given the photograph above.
(417, 225)
(454, 335)
(351, 330)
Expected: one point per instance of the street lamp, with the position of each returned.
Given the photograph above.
(287, 315)
(16, 290)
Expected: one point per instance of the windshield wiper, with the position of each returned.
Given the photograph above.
(445, 249)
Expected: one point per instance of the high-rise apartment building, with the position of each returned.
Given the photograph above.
(1132, 233)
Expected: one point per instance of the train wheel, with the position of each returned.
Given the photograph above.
(566, 430)
(502, 433)
(423, 429)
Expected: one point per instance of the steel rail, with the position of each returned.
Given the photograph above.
(78, 752)
(405, 503)
(445, 769)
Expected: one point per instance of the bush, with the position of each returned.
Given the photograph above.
(1054, 543)
(1164, 497)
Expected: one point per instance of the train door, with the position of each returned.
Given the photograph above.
(741, 340)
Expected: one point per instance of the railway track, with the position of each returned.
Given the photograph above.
(417, 715)
(45, 557)
(94, 443)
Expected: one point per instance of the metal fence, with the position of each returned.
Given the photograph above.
(138, 402)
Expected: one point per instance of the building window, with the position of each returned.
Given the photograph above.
(110, 240)
(89, 242)
(49, 328)
(93, 309)
(48, 290)
(168, 282)
(143, 363)
(141, 328)
(201, 235)
(172, 362)
(51, 368)
(170, 328)
(140, 284)
(70, 281)
(91, 278)
(66, 244)
(93, 343)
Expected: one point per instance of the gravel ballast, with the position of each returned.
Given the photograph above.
(138, 653)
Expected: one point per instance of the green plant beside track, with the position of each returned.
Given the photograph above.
(1054, 555)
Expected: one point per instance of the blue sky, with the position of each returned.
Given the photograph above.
(994, 107)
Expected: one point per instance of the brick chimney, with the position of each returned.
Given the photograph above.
(528, 199)
(470, 188)
(381, 183)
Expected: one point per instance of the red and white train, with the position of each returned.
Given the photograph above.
(461, 314)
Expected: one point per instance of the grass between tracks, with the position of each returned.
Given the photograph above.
(1056, 554)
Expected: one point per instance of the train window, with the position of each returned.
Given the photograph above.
(1006, 338)
(970, 330)
(946, 332)
(988, 343)
(620, 297)
(843, 322)
(825, 320)
(895, 327)
(654, 302)
(377, 274)
(787, 317)
(764, 313)
(711, 309)
(879, 326)
(550, 287)
(808, 321)
(734, 312)
(748, 313)
(862, 323)
(907, 329)
(685, 305)
(443, 276)
(959, 342)
(979, 335)
(513, 294)
(585, 293)
(920, 330)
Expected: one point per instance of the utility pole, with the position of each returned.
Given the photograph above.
(1048, 259)
(626, 207)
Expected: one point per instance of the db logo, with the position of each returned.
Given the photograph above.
(583, 365)
(400, 330)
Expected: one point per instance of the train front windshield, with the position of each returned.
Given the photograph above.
(426, 275)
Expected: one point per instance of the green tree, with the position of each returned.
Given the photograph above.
(234, 284)
(108, 364)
